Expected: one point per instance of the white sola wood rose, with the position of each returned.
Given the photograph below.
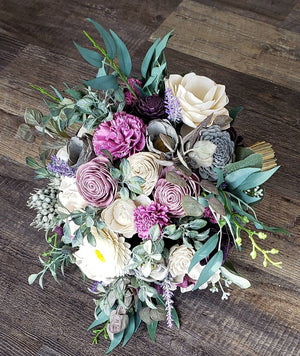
(199, 97)
(107, 259)
(179, 262)
(144, 165)
(119, 217)
(69, 196)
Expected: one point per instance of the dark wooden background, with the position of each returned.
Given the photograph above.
(252, 47)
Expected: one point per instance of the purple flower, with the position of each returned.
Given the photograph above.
(151, 107)
(122, 136)
(173, 107)
(129, 98)
(61, 167)
(209, 215)
(95, 184)
(147, 216)
(170, 194)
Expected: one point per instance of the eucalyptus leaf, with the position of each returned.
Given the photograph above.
(91, 239)
(33, 117)
(236, 178)
(152, 330)
(256, 179)
(24, 131)
(92, 57)
(32, 278)
(115, 342)
(210, 268)
(144, 314)
(103, 83)
(123, 55)
(204, 251)
(148, 57)
(108, 40)
(175, 178)
(216, 206)
(130, 329)
(235, 278)
(191, 206)
(124, 193)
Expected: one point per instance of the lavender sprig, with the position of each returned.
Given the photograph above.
(173, 107)
(168, 295)
(60, 167)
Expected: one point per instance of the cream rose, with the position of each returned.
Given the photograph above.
(144, 164)
(119, 217)
(199, 97)
(107, 259)
(179, 261)
(69, 196)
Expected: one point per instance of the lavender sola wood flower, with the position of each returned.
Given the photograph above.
(60, 167)
(168, 295)
(173, 107)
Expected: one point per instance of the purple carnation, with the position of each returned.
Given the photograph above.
(147, 216)
(129, 98)
(122, 136)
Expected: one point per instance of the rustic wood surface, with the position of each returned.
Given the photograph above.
(250, 46)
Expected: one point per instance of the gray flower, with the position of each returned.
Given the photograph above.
(118, 321)
(161, 137)
(224, 153)
(80, 150)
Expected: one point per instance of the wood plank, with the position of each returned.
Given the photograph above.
(234, 42)
(292, 21)
(267, 11)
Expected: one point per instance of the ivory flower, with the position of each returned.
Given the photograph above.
(198, 96)
(69, 196)
(179, 261)
(107, 259)
(119, 217)
(144, 164)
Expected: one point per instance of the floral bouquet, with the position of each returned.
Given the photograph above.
(149, 187)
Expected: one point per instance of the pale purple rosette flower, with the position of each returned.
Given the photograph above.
(95, 184)
(170, 195)
(147, 216)
(122, 136)
(129, 98)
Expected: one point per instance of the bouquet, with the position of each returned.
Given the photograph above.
(149, 187)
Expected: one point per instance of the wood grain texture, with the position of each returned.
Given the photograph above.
(235, 42)
(36, 47)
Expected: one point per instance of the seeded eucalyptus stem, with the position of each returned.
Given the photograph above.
(111, 63)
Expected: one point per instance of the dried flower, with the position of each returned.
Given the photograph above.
(118, 322)
(224, 153)
(144, 165)
(69, 196)
(122, 136)
(170, 194)
(80, 150)
(199, 97)
(107, 259)
(151, 107)
(60, 167)
(95, 184)
(129, 98)
(118, 216)
(172, 107)
(147, 216)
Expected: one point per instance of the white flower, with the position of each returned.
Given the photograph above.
(199, 97)
(119, 217)
(69, 196)
(107, 259)
(144, 164)
(63, 154)
(179, 262)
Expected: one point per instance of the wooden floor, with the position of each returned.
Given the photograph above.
(251, 46)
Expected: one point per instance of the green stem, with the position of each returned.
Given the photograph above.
(43, 91)
(111, 63)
